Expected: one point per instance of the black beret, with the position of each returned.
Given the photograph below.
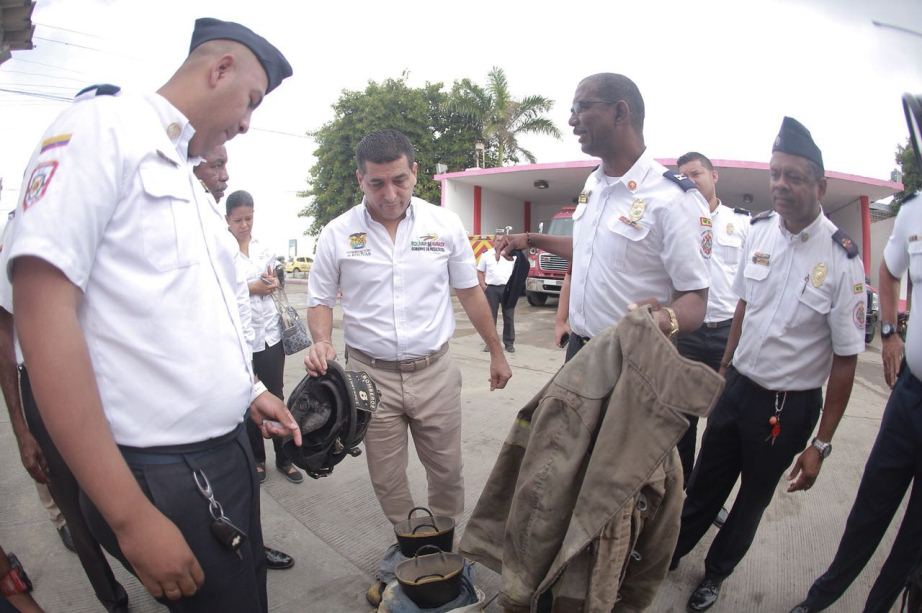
(795, 139)
(273, 62)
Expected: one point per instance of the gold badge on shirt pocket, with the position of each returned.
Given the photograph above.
(584, 197)
(730, 228)
(819, 274)
(637, 210)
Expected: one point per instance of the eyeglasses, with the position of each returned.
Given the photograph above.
(581, 105)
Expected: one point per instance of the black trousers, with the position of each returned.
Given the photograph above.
(495, 300)
(269, 366)
(895, 463)
(734, 445)
(66, 494)
(165, 476)
(705, 345)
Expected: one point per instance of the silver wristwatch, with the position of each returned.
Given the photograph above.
(823, 447)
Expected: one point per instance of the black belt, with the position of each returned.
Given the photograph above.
(176, 454)
(582, 340)
(717, 324)
(397, 365)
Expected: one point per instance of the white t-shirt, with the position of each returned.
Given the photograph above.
(396, 295)
(264, 313)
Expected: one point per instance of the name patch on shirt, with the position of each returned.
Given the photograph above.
(38, 183)
(858, 288)
(913, 238)
(357, 243)
(428, 242)
(584, 197)
(761, 258)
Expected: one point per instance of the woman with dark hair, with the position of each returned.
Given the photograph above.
(268, 354)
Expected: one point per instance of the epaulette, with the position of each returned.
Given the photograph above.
(100, 89)
(761, 216)
(845, 241)
(741, 211)
(681, 180)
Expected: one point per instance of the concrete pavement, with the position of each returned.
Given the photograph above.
(335, 529)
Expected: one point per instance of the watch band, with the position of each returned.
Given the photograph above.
(673, 322)
(12, 583)
(887, 329)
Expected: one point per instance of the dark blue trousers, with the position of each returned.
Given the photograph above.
(895, 463)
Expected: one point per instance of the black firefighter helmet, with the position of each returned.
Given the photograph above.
(333, 411)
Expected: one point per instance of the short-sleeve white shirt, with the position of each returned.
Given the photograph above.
(6, 288)
(495, 272)
(731, 227)
(805, 301)
(396, 295)
(616, 263)
(264, 313)
(904, 252)
(110, 200)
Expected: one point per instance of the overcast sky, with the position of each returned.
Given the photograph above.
(716, 76)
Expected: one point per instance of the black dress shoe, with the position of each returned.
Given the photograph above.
(705, 595)
(804, 608)
(276, 560)
(66, 538)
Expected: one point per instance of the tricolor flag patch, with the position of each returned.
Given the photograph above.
(38, 183)
(61, 140)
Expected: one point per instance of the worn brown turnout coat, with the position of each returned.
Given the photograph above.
(586, 494)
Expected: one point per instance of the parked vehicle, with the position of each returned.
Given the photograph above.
(299, 264)
(545, 277)
(872, 315)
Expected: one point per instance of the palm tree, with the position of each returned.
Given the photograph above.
(502, 119)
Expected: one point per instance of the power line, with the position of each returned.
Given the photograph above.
(39, 74)
(67, 87)
(61, 42)
(280, 132)
(41, 95)
(19, 59)
(45, 25)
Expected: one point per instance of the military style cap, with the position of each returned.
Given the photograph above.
(795, 139)
(273, 62)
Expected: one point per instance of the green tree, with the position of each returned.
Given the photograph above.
(503, 119)
(912, 174)
(439, 134)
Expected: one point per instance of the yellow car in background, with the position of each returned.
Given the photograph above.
(299, 264)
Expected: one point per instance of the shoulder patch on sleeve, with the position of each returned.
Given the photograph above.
(681, 180)
(844, 240)
(100, 89)
(762, 216)
(741, 211)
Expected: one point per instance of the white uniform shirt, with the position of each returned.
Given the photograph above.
(730, 231)
(111, 201)
(495, 273)
(904, 251)
(805, 300)
(396, 295)
(264, 313)
(616, 263)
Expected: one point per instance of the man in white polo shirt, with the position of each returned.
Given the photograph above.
(493, 274)
(395, 259)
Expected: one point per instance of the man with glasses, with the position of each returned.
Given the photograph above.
(640, 232)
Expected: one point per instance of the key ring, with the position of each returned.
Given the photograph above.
(214, 507)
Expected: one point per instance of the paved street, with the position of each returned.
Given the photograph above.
(335, 529)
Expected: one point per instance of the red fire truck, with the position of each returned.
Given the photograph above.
(547, 270)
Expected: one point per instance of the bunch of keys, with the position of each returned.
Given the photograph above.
(230, 536)
(775, 420)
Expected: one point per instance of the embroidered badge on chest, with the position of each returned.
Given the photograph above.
(819, 274)
(38, 183)
(428, 242)
(358, 243)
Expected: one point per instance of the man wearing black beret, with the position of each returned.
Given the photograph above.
(798, 324)
(124, 288)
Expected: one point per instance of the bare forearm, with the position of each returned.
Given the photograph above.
(889, 291)
(689, 309)
(563, 303)
(65, 389)
(475, 305)
(320, 323)
(838, 391)
(736, 330)
(9, 376)
(558, 245)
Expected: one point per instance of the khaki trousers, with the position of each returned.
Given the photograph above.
(428, 402)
